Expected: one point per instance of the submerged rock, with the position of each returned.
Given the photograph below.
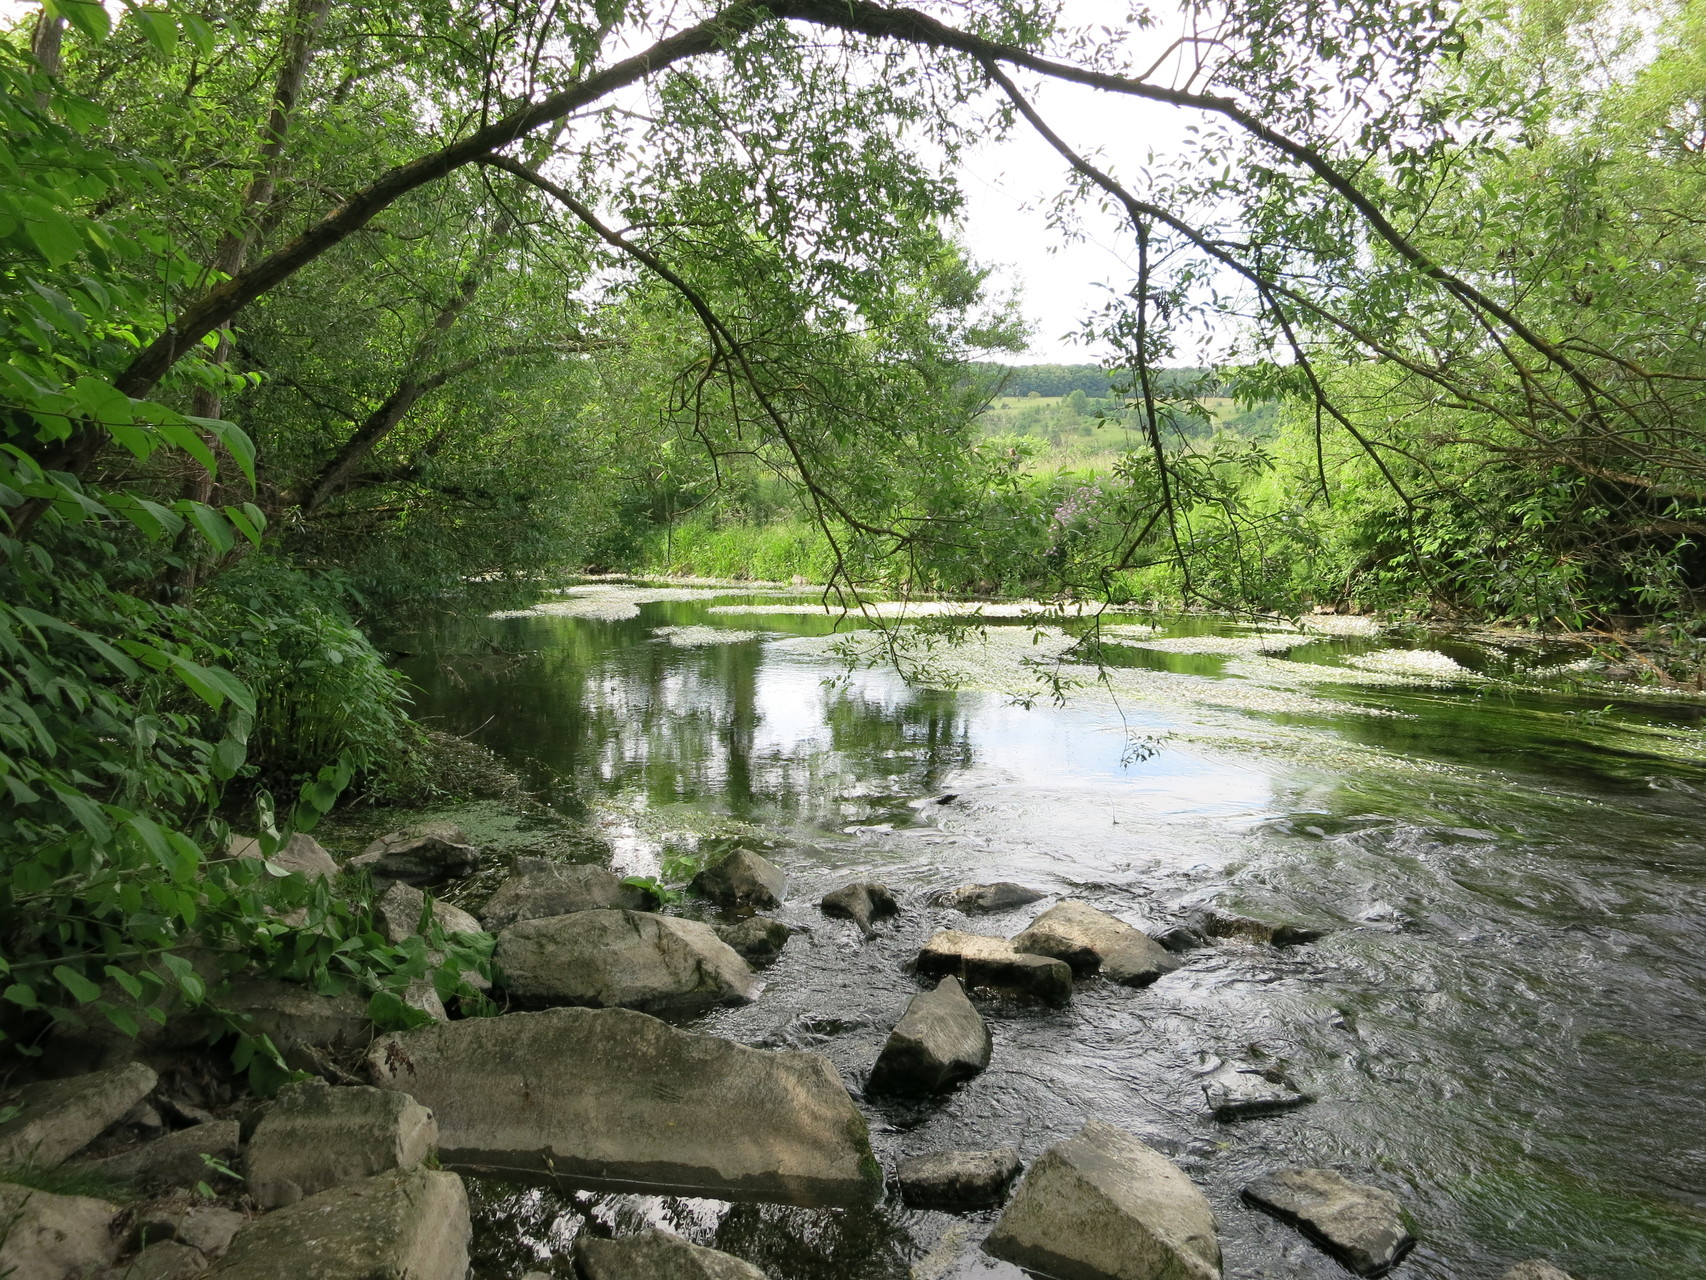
(1180, 939)
(49, 1237)
(302, 853)
(986, 898)
(1535, 1269)
(757, 939)
(429, 853)
(1262, 917)
(862, 903)
(656, 1255)
(315, 1136)
(539, 888)
(174, 1159)
(1360, 1226)
(939, 1040)
(627, 959)
(1092, 941)
(1101, 1205)
(742, 879)
(58, 1118)
(403, 1225)
(980, 961)
(958, 1179)
(616, 1099)
(1240, 1092)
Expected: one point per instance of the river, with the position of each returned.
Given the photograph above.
(1505, 1026)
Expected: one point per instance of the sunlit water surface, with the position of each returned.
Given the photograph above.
(1506, 1026)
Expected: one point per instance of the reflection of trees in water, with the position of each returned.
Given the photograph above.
(605, 706)
(520, 1228)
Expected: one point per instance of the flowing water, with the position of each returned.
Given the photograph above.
(1505, 1026)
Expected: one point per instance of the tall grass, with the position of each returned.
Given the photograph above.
(778, 551)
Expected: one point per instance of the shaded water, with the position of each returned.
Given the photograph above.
(1505, 1027)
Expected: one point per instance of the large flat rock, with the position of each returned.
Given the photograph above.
(174, 1159)
(657, 1255)
(958, 1179)
(1360, 1226)
(939, 1040)
(988, 898)
(742, 879)
(612, 1098)
(1093, 941)
(978, 960)
(58, 1118)
(626, 959)
(402, 1225)
(1105, 1206)
(49, 1237)
(315, 1136)
(539, 887)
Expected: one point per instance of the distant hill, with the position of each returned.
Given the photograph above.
(1063, 379)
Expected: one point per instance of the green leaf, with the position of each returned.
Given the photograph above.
(161, 31)
(210, 524)
(88, 16)
(54, 235)
(80, 987)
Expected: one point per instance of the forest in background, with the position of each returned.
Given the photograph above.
(320, 319)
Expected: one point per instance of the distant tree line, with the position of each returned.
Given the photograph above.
(1093, 380)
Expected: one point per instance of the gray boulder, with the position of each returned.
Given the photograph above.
(58, 1118)
(539, 887)
(429, 853)
(1091, 941)
(656, 1255)
(1360, 1226)
(302, 853)
(626, 959)
(208, 1229)
(397, 914)
(958, 1179)
(174, 1160)
(757, 939)
(1180, 939)
(862, 903)
(1263, 917)
(308, 1028)
(613, 1098)
(1104, 1206)
(1535, 1269)
(1240, 1092)
(49, 1237)
(315, 1136)
(742, 879)
(988, 898)
(979, 961)
(939, 1040)
(404, 1225)
(167, 1260)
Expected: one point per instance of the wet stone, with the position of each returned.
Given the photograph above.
(1360, 1226)
(429, 853)
(1266, 919)
(1180, 939)
(940, 1040)
(539, 888)
(742, 879)
(656, 1255)
(58, 1118)
(1535, 1269)
(1241, 1092)
(862, 903)
(981, 961)
(958, 1179)
(1093, 941)
(988, 898)
(757, 939)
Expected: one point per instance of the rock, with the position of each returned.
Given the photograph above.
(49, 1237)
(1535, 1269)
(616, 1099)
(986, 898)
(174, 1160)
(306, 1027)
(402, 1225)
(430, 853)
(1102, 1204)
(628, 959)
(1261, 917)
(1180, 939)
(540, 887)
(58, 1118)
(979, 961)
(302, 853)
(742, 879)
(206, 1228)
(656, 1255)
(958, 1179)
(757, 939)
(1358, 1225)
(167, 1260)
(422, 994)
(315, 1136)
(143, 1120)
(861, 903)
(1239, 1092)
(397, 914)
(939, 1040)
(1091, 941)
